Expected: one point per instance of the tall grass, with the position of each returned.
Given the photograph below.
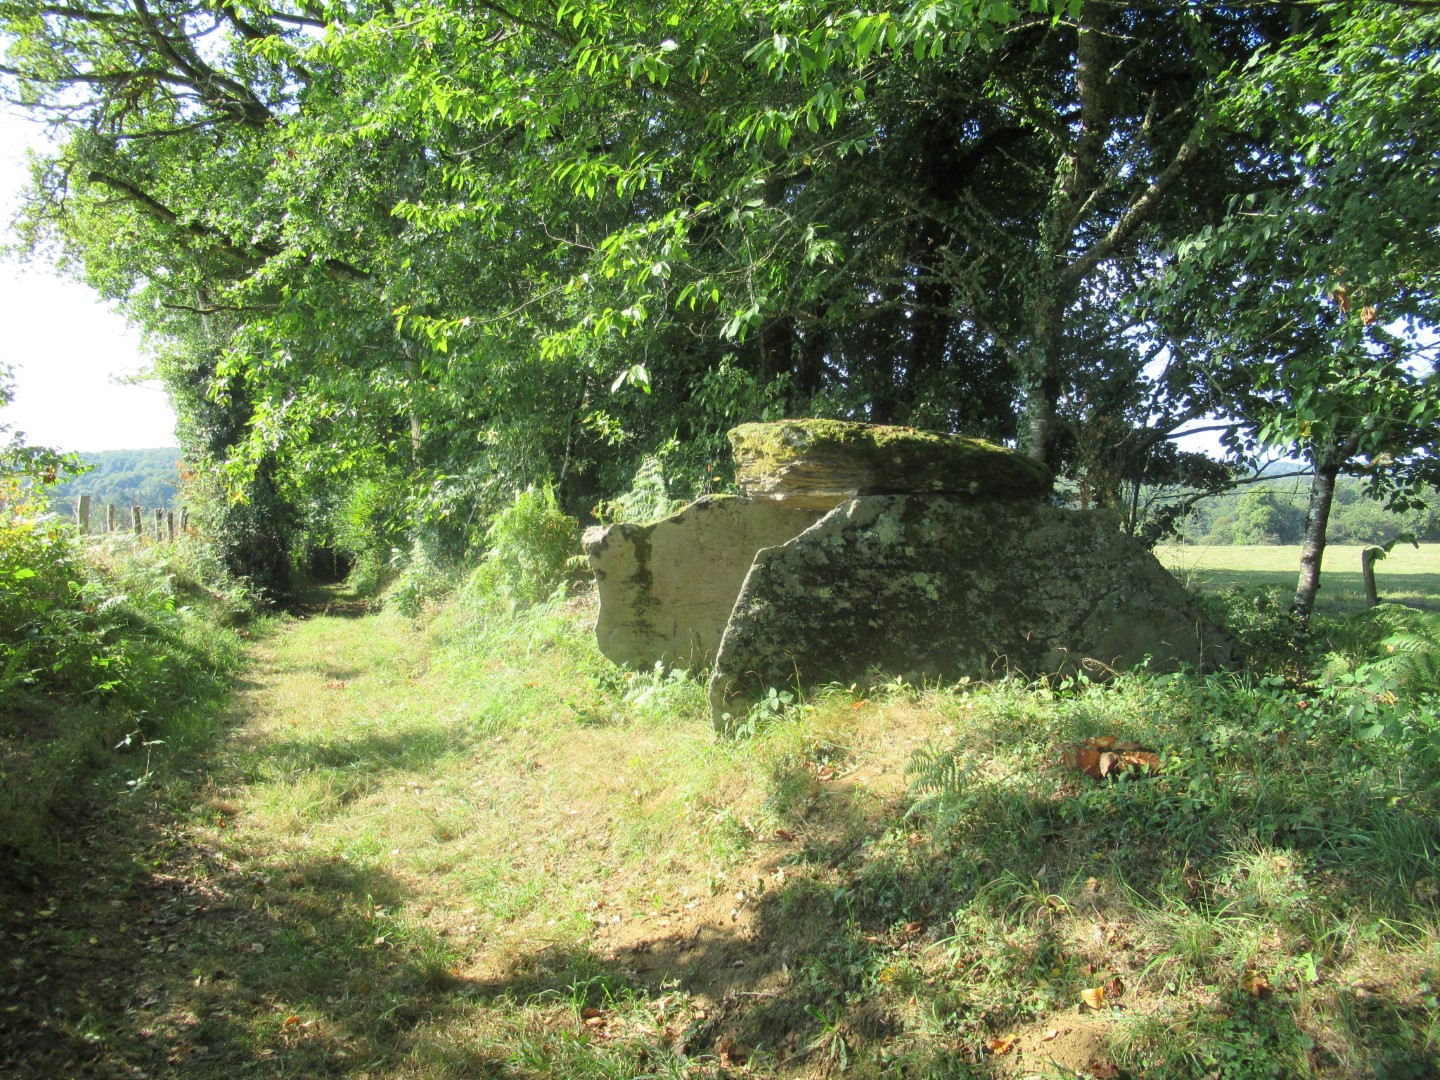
(116, 656)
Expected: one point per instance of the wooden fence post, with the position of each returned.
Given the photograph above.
(184, 520)
(170, 524)
(159, 524)
(135, 516)
(110, 517)
(82, 514)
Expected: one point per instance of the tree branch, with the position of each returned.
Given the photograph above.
(1139, 211)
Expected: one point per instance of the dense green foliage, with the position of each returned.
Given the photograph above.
(103, 652)
(455, 252)
(1274, 513)
(531, 549)
(121, 478)
(107, 647)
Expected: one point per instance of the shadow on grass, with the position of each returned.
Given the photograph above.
(330, 598)
(874, 947)
(909, 959)
(411, 747)
(170, 959)
(189, 965)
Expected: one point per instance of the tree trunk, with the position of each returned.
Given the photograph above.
(1041, 399)
(1312, 549)
(1367, 571)
(417, 432)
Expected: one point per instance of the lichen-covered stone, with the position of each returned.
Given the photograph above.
(822, 463)
(940, 588)
(666, 589)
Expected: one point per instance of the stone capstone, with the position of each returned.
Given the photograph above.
(821, 463)
(667, 588)
(930, 587)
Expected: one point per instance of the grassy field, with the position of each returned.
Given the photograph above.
(470, 847)
(1408, 575)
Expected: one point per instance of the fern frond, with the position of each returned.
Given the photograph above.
(934, 771)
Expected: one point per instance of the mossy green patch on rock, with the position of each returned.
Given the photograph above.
(821, 463)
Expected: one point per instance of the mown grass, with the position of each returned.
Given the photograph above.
(470, 847)
(1408, 575)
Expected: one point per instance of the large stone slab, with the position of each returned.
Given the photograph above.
(932, 587)
(822, 463)
(666, 589)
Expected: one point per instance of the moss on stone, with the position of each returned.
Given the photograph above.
(876, 459)
(943, 588)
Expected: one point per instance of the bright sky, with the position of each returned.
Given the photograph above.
(69, 350)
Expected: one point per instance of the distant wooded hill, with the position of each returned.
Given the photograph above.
(1274, 513)
(148, 478)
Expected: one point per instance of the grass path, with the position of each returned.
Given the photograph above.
(396, 866)
(473, 849)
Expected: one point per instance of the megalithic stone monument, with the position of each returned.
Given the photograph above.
(861, 550)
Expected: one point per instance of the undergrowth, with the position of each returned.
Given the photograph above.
(114, 654)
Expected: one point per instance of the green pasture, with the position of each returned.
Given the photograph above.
(1409, 575)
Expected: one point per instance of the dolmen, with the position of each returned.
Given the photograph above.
(861, 551)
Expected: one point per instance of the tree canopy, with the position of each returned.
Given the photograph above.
(458, 247)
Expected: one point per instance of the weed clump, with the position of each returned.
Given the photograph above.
(532, 549)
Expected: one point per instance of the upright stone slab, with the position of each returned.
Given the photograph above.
(822, 463)
(666, 589)
(936, 587)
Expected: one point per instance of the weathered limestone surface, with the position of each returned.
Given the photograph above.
(822, 463)
(666, 589)
(930, 586)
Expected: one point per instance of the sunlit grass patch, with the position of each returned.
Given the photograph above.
(1408, 575)
(939, 875)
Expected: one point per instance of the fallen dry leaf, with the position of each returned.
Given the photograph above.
(1103, 756)
(1053, 1033)
(1083, 758)
(1002, 1044)
(733, 1052)
(1255, 983)
(1133, 762)
(1093, 996)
